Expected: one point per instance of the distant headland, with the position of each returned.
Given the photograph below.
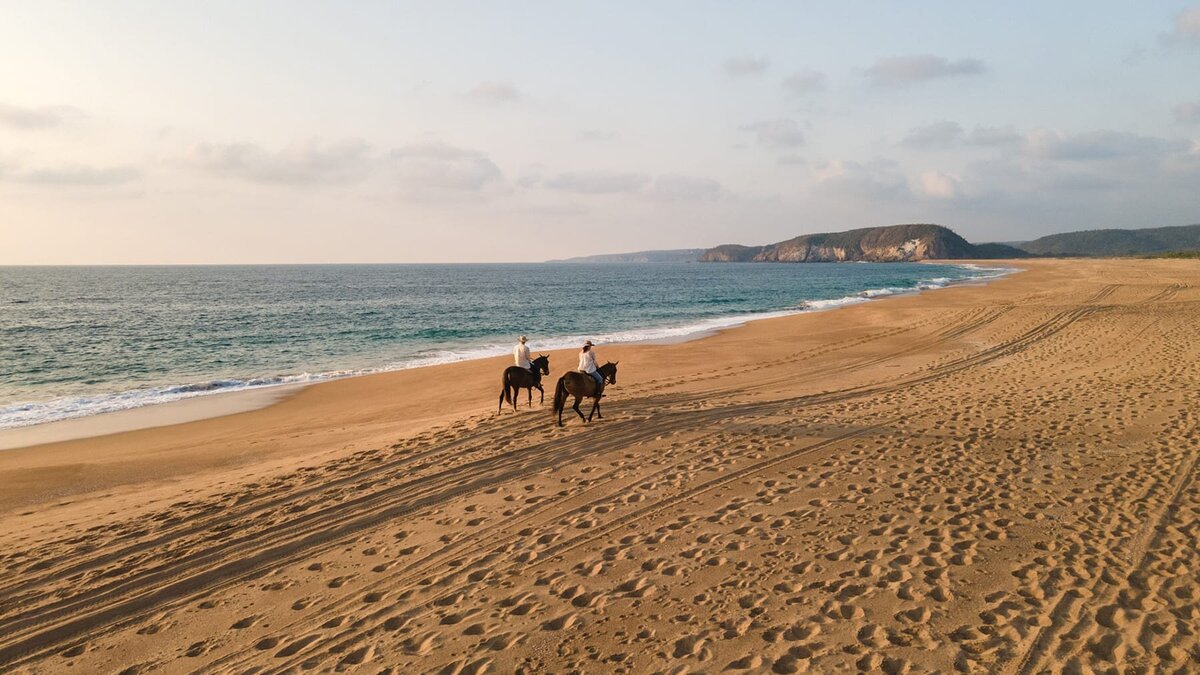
(922, 241)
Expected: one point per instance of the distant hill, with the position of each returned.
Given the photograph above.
(674, 255)
(996, 251)
(1116, 242)
(895, 243)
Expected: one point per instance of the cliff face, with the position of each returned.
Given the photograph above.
(897, 243)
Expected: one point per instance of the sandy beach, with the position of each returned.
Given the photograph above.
(986, 478)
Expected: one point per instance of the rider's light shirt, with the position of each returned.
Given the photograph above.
(521, 355)
(587, 362)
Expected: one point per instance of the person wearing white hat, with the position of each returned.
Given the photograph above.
(521, 354)
(587, 364)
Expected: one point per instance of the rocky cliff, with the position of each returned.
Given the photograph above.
(897, 243)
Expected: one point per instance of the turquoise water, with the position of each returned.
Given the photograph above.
(78, 341)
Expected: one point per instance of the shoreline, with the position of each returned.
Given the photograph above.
(223, 403)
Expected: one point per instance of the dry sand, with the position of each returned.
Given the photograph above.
(978, 479)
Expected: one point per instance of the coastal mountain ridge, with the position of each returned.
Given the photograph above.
(671, 255)
(923, 241)
(895, 243)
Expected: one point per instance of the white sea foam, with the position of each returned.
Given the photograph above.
(28, 414)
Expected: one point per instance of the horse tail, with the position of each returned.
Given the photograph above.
(504, 387)
(560, 395)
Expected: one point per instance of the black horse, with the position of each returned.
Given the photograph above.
(579, 384)
(516, 378)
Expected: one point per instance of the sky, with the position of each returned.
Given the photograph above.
(306, 132)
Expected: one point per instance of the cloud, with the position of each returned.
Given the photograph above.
(73, 175)
(665, 187)
(302, 163)
(913, 68)
(494, 92)
(744, 66)
(596, 135)
(790, 159)
(441, 167)
(678, 188)
(936, 185)
(1186, 28)
(1097, 145)
(995, 136)
(936, 135)
(877, 179)
(804, 82)
(778, 133)
(597, 182)
(1188, 113)
(1135, 56)
(34, 119)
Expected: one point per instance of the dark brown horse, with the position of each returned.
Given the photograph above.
(579, 385)
(516, 378)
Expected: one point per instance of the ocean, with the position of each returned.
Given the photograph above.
(77, 341)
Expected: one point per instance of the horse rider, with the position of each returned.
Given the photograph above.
(587, 364)
(521, 354)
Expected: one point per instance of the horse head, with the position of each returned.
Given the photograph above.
(541, 363)
(609, 371)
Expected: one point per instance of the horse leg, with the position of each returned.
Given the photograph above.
(598, 409)
(542, 396)
(530, 390)
(578, 411)
(516, 390)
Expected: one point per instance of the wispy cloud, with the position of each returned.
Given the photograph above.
(1188, 113)
(494, 92)
(877, 179)
(597, 182)
(664, 187)
(777, 133)
(914, 68)
(302, 163)
(679, 188)
(596, 135)
(804, 82)
(995, 136)
(33, 119)
(1186, 28)
(72, 175)
(936, 185)
(937, 135)
(744, 66)
(1098, 145)
(441, 167)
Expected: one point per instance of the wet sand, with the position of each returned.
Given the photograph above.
(993, 478)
